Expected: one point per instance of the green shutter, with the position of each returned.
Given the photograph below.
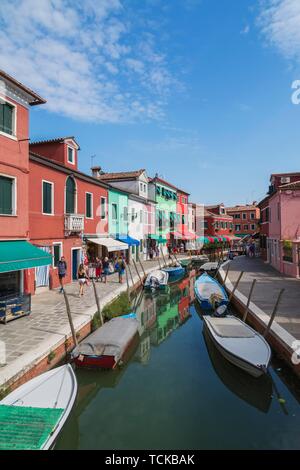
(6, 118)
(88, 205)
(70, 196)
(47, 198)
(6, 188)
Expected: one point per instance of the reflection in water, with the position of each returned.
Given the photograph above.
(256, 392)
(141, 406)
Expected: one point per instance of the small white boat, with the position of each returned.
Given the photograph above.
(211, 266)
(239, 344)
(33, 415)
(157, 280)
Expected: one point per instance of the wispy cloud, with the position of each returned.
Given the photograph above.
(280, 23)
(85, 58)
(245, 30)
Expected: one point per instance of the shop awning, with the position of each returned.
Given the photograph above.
(19, 254)
(158, 238)
(127, 239)
(189, 236)
(203, 240)
(110, 243)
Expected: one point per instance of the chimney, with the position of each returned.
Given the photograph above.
(96, 171)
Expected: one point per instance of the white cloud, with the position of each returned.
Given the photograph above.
(245, 30)
(82, 57)
(280, 24)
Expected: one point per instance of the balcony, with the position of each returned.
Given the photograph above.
(74, 223)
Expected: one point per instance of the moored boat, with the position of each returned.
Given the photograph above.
(239, 344)
(33, 415)
(174, 271)
(157, 280)
(210, 293)
(107, 346)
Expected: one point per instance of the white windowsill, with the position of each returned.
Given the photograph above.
(12, 137)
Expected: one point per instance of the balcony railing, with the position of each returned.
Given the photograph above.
(74, 223)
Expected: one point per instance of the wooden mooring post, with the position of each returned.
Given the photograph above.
(273, 313)
(127, 282)
(249, 300)
(236, 285)
(163, 255)
(130, 272)
(141, 264)
(138, 273)
(159, 262)
(70, 317)
(97, 301)
(226, 275)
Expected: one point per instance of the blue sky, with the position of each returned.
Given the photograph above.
(198, 91)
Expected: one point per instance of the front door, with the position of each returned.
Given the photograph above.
(75, 262)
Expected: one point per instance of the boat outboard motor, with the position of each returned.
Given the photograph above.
(154, 283)
(220, 311)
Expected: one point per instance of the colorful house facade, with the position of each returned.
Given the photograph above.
(284, 229)
(18, 258)
(68, 210)
(245, 219)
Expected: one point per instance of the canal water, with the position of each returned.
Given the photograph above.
(177, 391)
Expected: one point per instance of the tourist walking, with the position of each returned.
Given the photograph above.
(105, 267)
(82, 278)
(252, 250)
(156, 251)
(120, 268)
(98, 269)
(151, 253)
(61, 271)
(169, 251)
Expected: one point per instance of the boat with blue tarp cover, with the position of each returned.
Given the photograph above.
(209, 293)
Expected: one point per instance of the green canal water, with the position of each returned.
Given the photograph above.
(177, 392)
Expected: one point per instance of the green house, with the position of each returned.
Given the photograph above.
(117, 213)
(165, 196)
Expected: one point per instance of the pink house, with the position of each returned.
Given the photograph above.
(284, 229)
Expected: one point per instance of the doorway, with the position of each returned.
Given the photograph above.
(75, 262)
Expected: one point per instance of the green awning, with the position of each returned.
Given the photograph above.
(158, 238)
(17, 255)
(203, 240)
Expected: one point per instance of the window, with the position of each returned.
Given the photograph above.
(70, 195)
(237, 228)
(7, 118)
(125, 214)
(183, 219)
(246, 227)
(71, 155)
(114, 210)
(236, 216)
(47, 197)
(183, 200)
(145, 188)
(141, 187)
(252, 226)
(89, 205)
(244, 216)
(7, 195)
(222, 210)
(132, 214)
(205, 224)
(252, 216)
(267, 215)
(103, 207)
(57, 253)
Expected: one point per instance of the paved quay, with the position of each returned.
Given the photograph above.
(269, 282)
(29, 339)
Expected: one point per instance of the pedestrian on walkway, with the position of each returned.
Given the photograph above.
(151, 253)
(105, 266)
(252, 250)
(156, 251)
(120, 268)
(98, 264)
(82, 278)
(61, 271)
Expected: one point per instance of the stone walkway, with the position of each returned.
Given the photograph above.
(269, 282)
(28, 338)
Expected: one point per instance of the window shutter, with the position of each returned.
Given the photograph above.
(47, 198)
(6, 118)
(6, 188)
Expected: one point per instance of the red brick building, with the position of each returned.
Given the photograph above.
(245, 219)
(217, 222)
(17, 256)
(66, 207)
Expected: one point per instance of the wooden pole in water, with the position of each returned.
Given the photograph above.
(159, 262)
(97, 301)
(70, 317)
(236, 284)
(163, 255)
(130, 274)
(142, 266)
(226, 275)
(249, 299)
(127, 281)
(138, 273)
(273, 313)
